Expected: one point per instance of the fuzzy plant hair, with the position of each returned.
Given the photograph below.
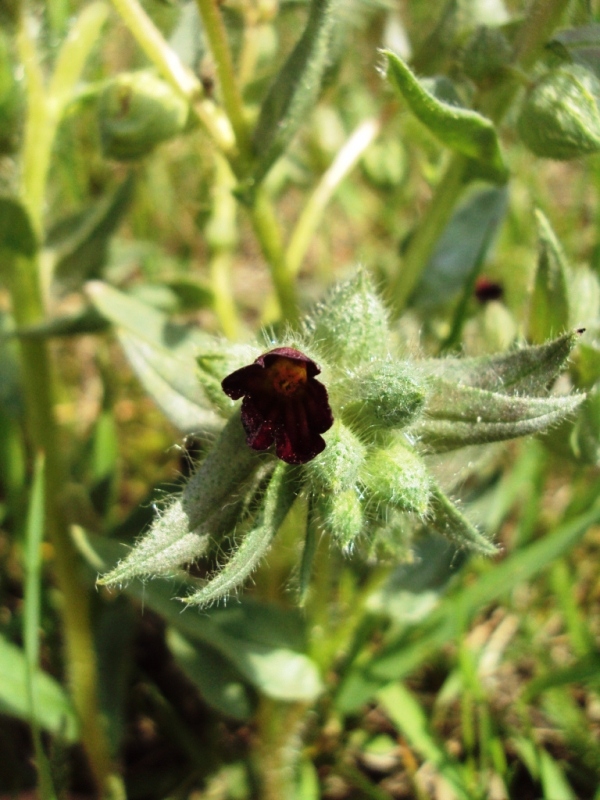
(371, 483)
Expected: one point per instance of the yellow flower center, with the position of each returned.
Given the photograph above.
(287, 376)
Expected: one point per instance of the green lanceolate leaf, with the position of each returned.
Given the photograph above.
(146, 322)
(162, 353)
(281, 493)
(462, 130)
(78, 245)
(172, 383)
(462, 415)
(220, 684)
(461, 249)
(549, 310)
(16, 232)
(526, 371)
(446, 519)
(53, 710)
(295, 90)
(208, 509)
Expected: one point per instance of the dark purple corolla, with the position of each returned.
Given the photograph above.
(283, 403)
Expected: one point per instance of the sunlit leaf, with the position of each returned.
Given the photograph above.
(463, 130)
(54, 712)
(295, 89)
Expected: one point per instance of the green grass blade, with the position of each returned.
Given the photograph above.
(408, 716)
(31, 618)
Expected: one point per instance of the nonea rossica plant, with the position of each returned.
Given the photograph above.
(353, 443)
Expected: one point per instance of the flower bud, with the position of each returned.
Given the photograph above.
(559, 118)
(351, 325)
(342, 517)
(485, 54)
(396, 476)
(336, 469)
(384, 394)
(137, 111)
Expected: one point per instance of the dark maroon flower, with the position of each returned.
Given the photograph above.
(283, 403)
(487, 290)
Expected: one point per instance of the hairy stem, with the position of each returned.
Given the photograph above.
(268, 233)
(232, 99)
(166, 60)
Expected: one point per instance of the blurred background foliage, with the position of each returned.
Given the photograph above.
(137, 220)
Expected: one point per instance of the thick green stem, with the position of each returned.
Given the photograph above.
(153, 43)
(232, 99)
(269, 236)
(429, 231)
(222, 238)
(280, 726)
(542, 18)
(43, 115)
(43, 433)
(39, 131)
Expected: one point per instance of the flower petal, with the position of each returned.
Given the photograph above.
(283, 403)
(296, 441)
(242, 381)
(312, 368)
(317, 407)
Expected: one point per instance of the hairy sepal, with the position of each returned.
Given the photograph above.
(208, 508)
(526, 371)
(350, 326)
(279, 497)
(457, 416)
(383, 395)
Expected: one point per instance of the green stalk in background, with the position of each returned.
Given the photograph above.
(46, 104)
(31, 617)
(543, 16)
(229, 133)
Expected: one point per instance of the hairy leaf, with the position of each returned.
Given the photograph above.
(295, 90)
(208, 508)
(549, 310)
(53, 709)
(460, 129)
(447, 520)
(280, 495)
(463, 415)
(527, 371)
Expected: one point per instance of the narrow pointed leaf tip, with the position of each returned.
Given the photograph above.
(461, 129)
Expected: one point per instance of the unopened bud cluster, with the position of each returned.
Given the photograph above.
(138, 111)
(560, 118)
